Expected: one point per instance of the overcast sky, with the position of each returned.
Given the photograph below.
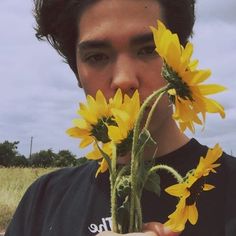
(39, 94)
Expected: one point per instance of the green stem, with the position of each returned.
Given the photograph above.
(134, 165)
(150, 114)
(139, 214)
(120, 174)
(169, 169)
(113, 189)
(146, 103)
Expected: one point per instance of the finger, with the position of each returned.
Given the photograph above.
(149, 233)
(107, 233)
(159, 229)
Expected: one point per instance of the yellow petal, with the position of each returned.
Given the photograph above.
(86, 141)
(123, 115)
(174, 52)
(77, 133)
(193, 65)
(183, 126)
(213, 106)
(82, 124)
(214, 154)
(200, 76)
(178, 190)
(135, 103)
(102, 168)
(101, 103)
(117, 101)
(114, 134)
(91, 103)
(193, 214)
(164, 43)
(100, 98)
(208, 89)
(208, 187)
(155, 34)
(88, 116)
(73, 131)
(104, 165)
(186, 55)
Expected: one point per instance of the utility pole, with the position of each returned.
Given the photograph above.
(31, 144)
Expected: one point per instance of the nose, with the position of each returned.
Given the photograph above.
(125, 75)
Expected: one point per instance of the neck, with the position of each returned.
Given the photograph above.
(168, 138)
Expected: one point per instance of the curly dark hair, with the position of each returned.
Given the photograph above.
(57, 21)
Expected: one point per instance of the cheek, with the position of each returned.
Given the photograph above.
(153, 70)
(85, 78)
(92, 79)
(164, 109)
(151, 74)
(157, 69)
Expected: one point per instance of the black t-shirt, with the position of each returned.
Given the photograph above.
(72, 202)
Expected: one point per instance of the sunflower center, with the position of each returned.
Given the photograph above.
(100, 130)
(195, 191)
(175, 82)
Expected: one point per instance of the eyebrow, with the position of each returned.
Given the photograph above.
(142, 38)
(91, 44)
(101, 44)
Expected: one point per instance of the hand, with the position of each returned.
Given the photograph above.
(149, 229)
(159, 229)
(109, 233)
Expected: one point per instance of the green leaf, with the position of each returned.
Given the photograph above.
(123, 215)
(144, 139)
(153, 183)
(123, 187)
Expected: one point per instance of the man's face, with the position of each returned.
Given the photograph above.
(115, 48)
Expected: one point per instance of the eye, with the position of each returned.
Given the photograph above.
(96, 59)
(147, 51)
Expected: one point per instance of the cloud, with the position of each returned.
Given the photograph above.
(39, 93)
(214, 41)
(216, 10)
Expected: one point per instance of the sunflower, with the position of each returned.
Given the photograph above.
(103, 123)
(125, 116)
(185, 89)
(92, 125)
(190, 189)
(121, 131)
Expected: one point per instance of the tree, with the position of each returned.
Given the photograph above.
(8, 152)
(65, 158)
(81, 161)
(42, 158)
(20, 161)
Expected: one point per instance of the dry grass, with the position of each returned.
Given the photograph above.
(13, 184)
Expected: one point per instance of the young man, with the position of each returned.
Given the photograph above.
(109, 45)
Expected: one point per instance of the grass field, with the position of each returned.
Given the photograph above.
(13, 184)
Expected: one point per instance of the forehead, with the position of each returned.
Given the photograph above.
(118, 19)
